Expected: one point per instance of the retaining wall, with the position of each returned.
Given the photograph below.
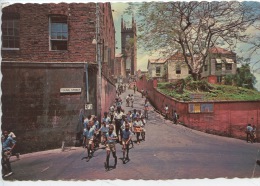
(226, 118)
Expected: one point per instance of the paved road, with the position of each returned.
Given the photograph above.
(169, 152)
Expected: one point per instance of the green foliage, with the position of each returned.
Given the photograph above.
(229, 79)
(244, 77)
(214, 92)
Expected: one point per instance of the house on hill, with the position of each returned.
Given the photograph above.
(157, 69)
(219, 63)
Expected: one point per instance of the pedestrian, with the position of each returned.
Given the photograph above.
(111, 138)
(86, 121)
(97, 136)
(12, 135)
(249, 130)
(118, 102)
(143, 120)
(146, 108)
(127, 134)
(88, 138)
(254, 133)
(103, 130)
(106, 119)
(128, 100)
(166, 109)
(129, 116)
(132, 100)
(111, 112)
(134, 88)
(140, 114)
(138, 126)
(118, 117)
(8, 144)
(142, 92)
(175, 117)
(134, 114)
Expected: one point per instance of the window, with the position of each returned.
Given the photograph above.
(228, 66)
(205, 67)
(178, 69)
(218, 66)
(58, 33)
(158, 71)
(219, 79)
(10, 33)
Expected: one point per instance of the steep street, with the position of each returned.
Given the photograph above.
(169, 152)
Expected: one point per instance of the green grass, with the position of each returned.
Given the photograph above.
(214, 93)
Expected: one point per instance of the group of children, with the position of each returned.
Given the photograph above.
(116, 127)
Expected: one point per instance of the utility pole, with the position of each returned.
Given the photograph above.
(99, 87)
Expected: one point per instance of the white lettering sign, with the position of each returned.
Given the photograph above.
(88, 106)
(70, 90)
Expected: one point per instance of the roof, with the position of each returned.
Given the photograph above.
(158, 61)
(218, 50)
(119, 55)
(177, 56)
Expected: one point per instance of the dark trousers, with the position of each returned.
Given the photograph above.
(118, 128)
(248, 136)
(6, 166)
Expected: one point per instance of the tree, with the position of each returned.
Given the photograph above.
(244, 77)
(192, 27)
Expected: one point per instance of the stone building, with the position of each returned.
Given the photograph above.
(50, 70)
(129, 47)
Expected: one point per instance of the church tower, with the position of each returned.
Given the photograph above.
(129, 47)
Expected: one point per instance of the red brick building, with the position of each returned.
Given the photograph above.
(50, 69)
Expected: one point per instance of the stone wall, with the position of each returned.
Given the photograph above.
(34, 108)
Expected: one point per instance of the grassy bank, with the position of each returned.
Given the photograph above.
(188, 91)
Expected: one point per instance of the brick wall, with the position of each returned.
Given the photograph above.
(228, 119)
(108, 94)
(34, 33)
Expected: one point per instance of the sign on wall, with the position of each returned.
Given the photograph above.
(201, 107)
(70, 90)
(88, 106)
